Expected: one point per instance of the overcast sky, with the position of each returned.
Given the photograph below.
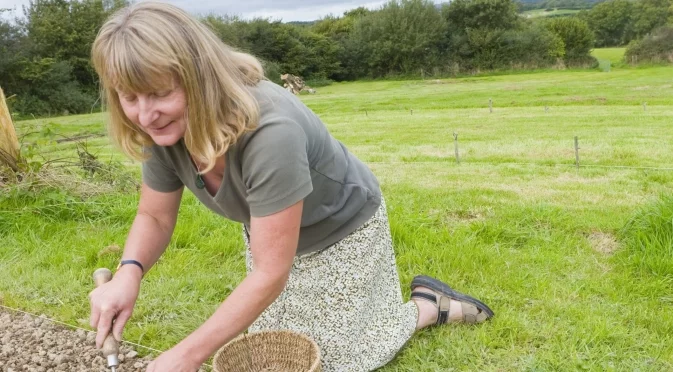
(285, 10)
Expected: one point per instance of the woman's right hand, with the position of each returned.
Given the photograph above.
(114, 301)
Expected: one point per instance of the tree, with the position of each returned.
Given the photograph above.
(283, 47)
(577, 38)
(12, 50)
(611, 22)
(480, 14)
(649, 15)
(64, 30)
(531, 46)
(349, 54)
(338, 27)
(656, 47)
(402, 37)
(475, 31)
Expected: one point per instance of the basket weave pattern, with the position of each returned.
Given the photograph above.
(269, 351)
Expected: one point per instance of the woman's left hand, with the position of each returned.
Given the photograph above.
(173, 360)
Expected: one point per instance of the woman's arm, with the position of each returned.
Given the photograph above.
(273, 244)
(152, 228)
(149, 235)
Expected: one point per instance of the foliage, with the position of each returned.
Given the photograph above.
(654, 48)
(649, 15)
(578, 40)
(44, 57)
(52, 90)
(462, 15)
(397, 39)
(288, 48)
(611, 22)
(617, 22)
(488, 34)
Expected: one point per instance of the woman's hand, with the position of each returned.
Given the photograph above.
(114, 301)
(174, 360)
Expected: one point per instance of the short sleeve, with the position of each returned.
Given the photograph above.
(275, 167)
(159, 176)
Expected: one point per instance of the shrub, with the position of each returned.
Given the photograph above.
(532, 47)
(654, 48)
(49, 89)
(577, 38)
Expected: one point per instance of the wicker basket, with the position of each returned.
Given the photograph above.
(269, 351)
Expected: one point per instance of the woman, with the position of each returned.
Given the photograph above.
(320, 260)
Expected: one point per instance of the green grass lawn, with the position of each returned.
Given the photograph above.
(515, 224)
(615, 56)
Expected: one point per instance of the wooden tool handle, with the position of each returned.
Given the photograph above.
(102, 276)
(110, 345)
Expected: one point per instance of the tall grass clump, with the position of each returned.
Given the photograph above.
(648, 239)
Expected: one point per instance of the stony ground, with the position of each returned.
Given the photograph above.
(30, 344)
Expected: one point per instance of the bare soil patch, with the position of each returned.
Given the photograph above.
(35, 344)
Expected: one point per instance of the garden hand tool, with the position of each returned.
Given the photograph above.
(110, 348)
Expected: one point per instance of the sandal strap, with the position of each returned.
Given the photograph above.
(442, 315)
(443, 309)
(424, 296)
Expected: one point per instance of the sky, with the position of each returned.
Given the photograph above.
(285, 10)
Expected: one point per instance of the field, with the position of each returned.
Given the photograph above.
(614, 57)
(515, 223)
(549, 13)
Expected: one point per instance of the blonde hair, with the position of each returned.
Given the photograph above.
(140, 45)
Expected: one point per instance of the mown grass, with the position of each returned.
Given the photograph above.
(564, 256)
(613, 57)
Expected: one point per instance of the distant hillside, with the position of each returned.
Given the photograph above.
(589, 3)
(530, 8)
(310, 23)
(302, 23)
(558, 4)
(553, 13)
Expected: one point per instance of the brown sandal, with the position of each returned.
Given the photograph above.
(447, 300)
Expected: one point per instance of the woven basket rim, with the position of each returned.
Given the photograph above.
(240, 338)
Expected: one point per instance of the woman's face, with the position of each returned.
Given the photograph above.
(160, 114)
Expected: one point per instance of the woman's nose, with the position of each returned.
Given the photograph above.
(147, 112)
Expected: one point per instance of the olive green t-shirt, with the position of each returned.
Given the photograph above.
(290, 156)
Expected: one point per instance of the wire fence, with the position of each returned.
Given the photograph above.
(458, 157)
(577, 164)
(527, 164)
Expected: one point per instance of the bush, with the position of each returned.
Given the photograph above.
(272, 71)
(577, 38)
(527, 48)
(654, 48)
(611, 22)
(532, 47)
(49, 89)
(648, 239)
